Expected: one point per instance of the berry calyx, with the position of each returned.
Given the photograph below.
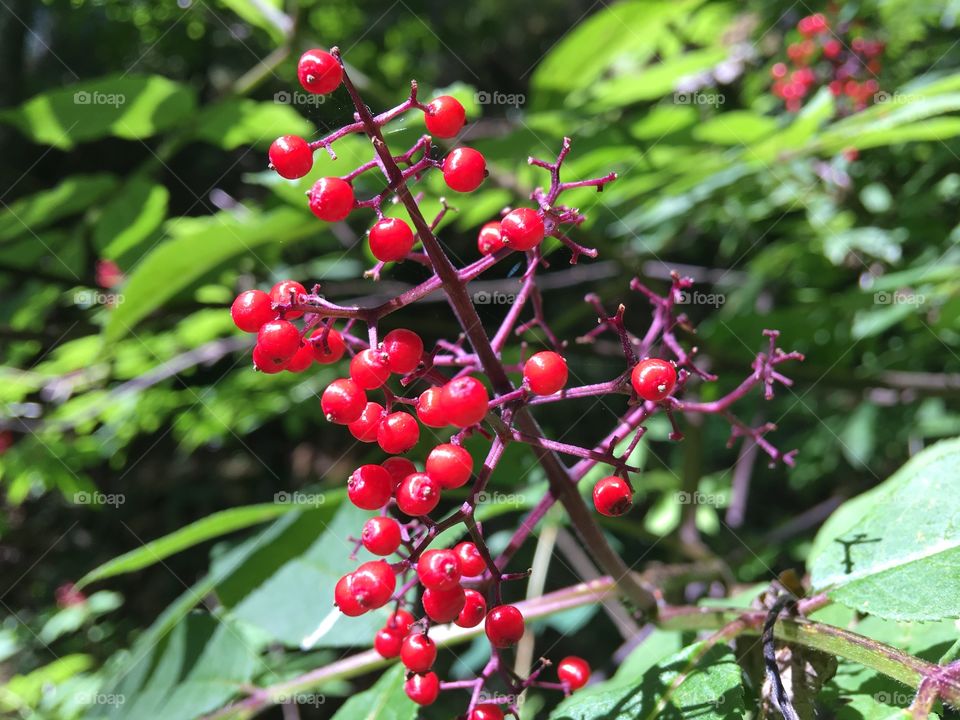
(422, 689)
(369, 487)
(266, 364)
(251, 310)
(474, 609)
(545, 373)
(332, 351)
(430, 408)
(464, 401)
(368, 369)
(373, 583)
(331, 199)
(365, 427)
(387, 643)
(319, 72)
(471, 561)
(612, 496)
(486, 711)
(439, 569)
(490, 239)
(504, 626)
(464, 169)
(285, 292)
(450, 465)
(522, 229)
(573, 671)
(403, 349)
(345, 598)
(418, 653)
(381, 535)
(398, 433)
(653, 379)
(301, 360)
(343, 401)
(399, 468)
(391, 239)
(278, 339)
(290, 156)
(418, 494)
(444, 117)
(443, 606)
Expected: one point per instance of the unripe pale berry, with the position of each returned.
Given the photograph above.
(418, 653)
(471, 561)
(464, 401)
(291, 157)
(278, 339)
(381, 535)
(654, 379)
(369, 487)
(522, 229)
(286, 292)
(418, 494)
(319, 72)
(398, 432)
(490, 239)
(450, 465)
(403, 349)
(439, 569)
(430, 408)
(464, 169)
(474, 609)
(612, 496)
(368, 369)
(332, 351)
(366, 426)
(251, 310)
(391, 239)
(443, 606)
(444, 117)
(343, 401)
(422, 689)
(574, 671)
(331, 199)
(545, 373)
(504, 626)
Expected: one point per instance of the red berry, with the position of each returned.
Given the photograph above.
(522, 229)
(418, 653)
(399, 622)
(333, 350)
(369, 370)
(399, 468)
(430, 408)
(612, 496)
(486, 711)
(251, 310)
(439, 569)
(504, 626)
(404, 349)
(365, 427)
(331, 199)
(574, 671)
(398, 433)
(301, 360)
(278, 339)
(779, 70)
(490, 239)
(319, 72)
(266, 364)
(381, 535)
(374, 583)
(387, 643)
(418, 494)
(291, 157)
(443, 606)
(422, 689)
(545, 373)
(474, 609)
(391, 239)
(653, 379)
(343, 401)
(444, 117)
(369, 487)
(464, 401)
(287, 291)
(471, 561)
(450, 465)
(345, 598)
(464, 169)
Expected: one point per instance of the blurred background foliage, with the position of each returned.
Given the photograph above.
(129, 406)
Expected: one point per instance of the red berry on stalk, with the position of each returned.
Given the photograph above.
(265, 364)
(285, 292)
(332, 351)
(464, 401)
(387, 643)
(369, 487)
(278, 339)
(251, 310)
(439, 569)
(301, 360)
(490, 239)
(398, 433)
(291, 157)
(374, 583)
(381, 535)
(545, 373)
(612, 496)
(504, 626)
(450, 465)
(343, 401)
(464, 169)
(331, 199)
(399, 622)
(653, 379)
(365, 427)
(391, 239)
(319, 72)
(443, 606)
(486, 711)
(474, 609)
(345, 598)
(430, 408)
(404, 349)
(368, 369)
(471, 561)
(422, 689)
(418, 653)
(522, 229)
(444, 117)
(418, 494)
(399, 468)
(574, 671)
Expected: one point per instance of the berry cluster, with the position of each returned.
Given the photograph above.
(838, 57)
(463, 391)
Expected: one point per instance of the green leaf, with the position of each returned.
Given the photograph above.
(895, 551)
(265, 14)
(241, 121)
(132, 216)
(739, 127)
(130, 107)
(38, 211)
(386, 700)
